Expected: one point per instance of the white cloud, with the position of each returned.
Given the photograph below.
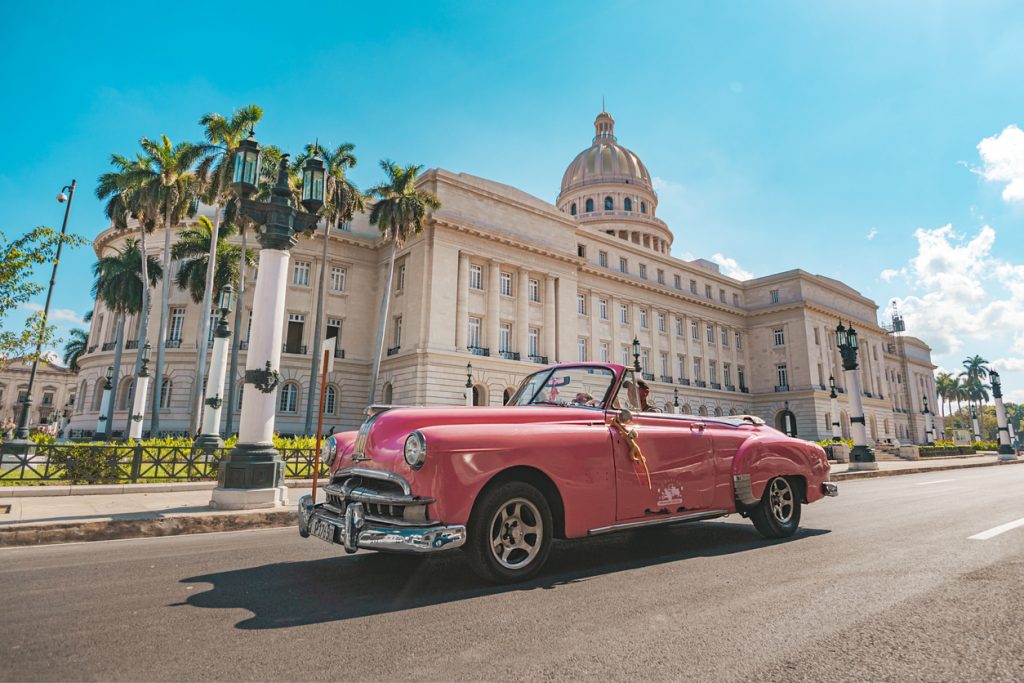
(871, 233)
(1002, 158)
(1008, 364)
(890, 274)
(57, 315)
(730, 267)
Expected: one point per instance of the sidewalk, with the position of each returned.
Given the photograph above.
(30, 516)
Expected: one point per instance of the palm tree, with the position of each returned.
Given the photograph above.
(75, 347)
(399, 213)
(216, 170)
(975, 370)
(343, 201)
(192, 248)
(170, 184)
(943, 381)
(119, 286)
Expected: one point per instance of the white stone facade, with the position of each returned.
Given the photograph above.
(503, 273)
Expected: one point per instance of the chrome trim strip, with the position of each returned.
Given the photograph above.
(689, 517)
(373, 474)
(364, 495)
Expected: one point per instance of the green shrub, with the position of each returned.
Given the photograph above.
(89, 464)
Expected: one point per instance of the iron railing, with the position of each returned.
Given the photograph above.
(132, 463)
(479, 350)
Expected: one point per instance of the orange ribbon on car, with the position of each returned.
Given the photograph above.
(635, 453)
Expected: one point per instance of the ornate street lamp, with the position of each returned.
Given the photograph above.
(636, 354)
(252, 475)
(209, 438)
(313, 182)
(21, 442)
(675, 401)
(141, 391)
(469, 384)
(861, 457)
(1006, 451)
(837, 429)
(929, 425)
(101, 421)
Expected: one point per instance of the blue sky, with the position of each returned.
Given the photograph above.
(781, 134)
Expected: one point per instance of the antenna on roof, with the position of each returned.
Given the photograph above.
(602, 103)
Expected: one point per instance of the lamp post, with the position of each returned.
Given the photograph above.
(141, 391)
(974, 424)
(861, 457)
(675, 401)
(1006, 451)
(21, 441)
(636, 354)
(101, 422)
(787, 421)
(469, 384)
(210, 436)
(837, 429)
(252, 475)
(929, 425)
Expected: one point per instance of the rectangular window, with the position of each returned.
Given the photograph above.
(623, 265)
(681, 362)
(664, 365)
(661, 276)
(473, 338)
(710, 333)
(644, 361)
(725, 337)
(782, 374)
(505, 337)
(693, 286)
(694, 330)
(779, 337)
(679, 327)
(624, 314)
(625, 357)
(581, 304)
(602, 259)
(696, 369)
(821, 374)
(677, 281)
(476, 277)
(661, 322)
(707, 291)
(400, 279)
(605, 353)
(602, 308)
(712, 371)
(533, 341)
(739, 341)
(506, 284)
(721, 295)
(817, 337)
(581, 349)
(338, 277)
(534, 290)
(581, 250)
(398, 331)
(740, 377)
(774, 294)
(643, 271)
(727, 374)
(735, 299)
(300, 273)
(643, 318)
(177, 322)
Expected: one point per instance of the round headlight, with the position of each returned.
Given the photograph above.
(415, 450)
(329, 451)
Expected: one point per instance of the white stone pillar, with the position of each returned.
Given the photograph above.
(523, 314)
(138, 415)
(837, 428)
(214, 398)
(493, 309)
(462, 303)
(976, 426)
(855, 394)
(929, 429)
(613, 328)
(469, 396)
(1006, 451)
(550, 347)
(595, 333)
(101, 421)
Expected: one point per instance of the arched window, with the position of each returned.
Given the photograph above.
(718, 412)
(785, 422)
(508, 394)
(123, 393)
(572, 209)
(165, 393)
(330, 400)
(480, 395)
(627, 204)
(589, 206)
(608, 204)
(643, 207)
(703, 411)
(81, 396)
(289, 398)
(97, 396)
(388, 394)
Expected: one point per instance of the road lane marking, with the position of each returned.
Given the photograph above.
(940, 481)
(995, 531)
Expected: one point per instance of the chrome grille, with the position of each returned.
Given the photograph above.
(385, 497)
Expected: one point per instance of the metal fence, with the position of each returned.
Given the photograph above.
(88, 463)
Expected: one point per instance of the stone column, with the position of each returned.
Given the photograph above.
(613, 328)
(101, 421)
(673, 346)
(1006, 451)
(655, 356)
(210, 436)
(595, 330)
(861, 457)
(837, 428)
(975, 425)
(462, 303)
(523, 314)
(929, 431)
(549, 319)
(138, 415)
(493, 310)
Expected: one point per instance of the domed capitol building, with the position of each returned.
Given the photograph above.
(508, 281)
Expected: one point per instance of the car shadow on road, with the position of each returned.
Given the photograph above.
(286, 594)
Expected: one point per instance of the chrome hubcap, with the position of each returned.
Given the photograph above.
(516, 533)
(780, 498)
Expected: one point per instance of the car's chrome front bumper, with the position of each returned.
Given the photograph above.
(829, 489)
(353, 531)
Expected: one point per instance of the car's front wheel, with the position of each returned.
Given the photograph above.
(510, 533)
(778, 513)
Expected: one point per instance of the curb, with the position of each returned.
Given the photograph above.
(168, 525)
(871, 474)
(29, 491)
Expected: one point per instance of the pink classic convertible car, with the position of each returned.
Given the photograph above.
(571, 455)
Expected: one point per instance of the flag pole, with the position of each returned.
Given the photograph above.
(320, 421)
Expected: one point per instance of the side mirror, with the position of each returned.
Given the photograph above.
(625, 416)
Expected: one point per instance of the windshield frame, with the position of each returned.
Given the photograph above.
(546, 374)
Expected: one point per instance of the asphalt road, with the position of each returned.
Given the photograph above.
(882, 583)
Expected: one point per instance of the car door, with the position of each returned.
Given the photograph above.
(678, 454)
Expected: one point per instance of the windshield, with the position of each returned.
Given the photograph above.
(582, 387)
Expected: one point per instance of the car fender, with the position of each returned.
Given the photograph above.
(765, 456)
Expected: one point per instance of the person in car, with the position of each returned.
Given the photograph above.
(645, 391)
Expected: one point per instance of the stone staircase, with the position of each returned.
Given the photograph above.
(886, 452)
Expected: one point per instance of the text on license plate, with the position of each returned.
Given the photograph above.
(322, 530)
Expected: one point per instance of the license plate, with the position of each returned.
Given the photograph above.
(323, 530)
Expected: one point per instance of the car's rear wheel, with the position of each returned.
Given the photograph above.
(510, 533)
(778, 513)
